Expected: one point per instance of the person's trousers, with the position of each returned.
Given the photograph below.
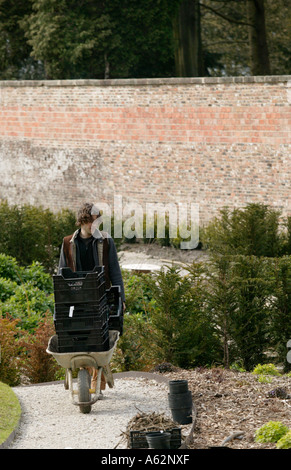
(93, 372)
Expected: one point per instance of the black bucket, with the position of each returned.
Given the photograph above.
(158, 440)
(178, 386)
(181, 407)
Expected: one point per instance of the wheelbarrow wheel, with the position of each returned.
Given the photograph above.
(83, 390)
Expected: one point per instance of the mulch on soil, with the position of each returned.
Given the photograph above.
(230, 403)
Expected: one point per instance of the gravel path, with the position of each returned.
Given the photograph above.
(50, 420)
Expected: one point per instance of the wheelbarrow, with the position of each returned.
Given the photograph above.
(72, 361)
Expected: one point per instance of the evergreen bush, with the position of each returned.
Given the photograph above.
(280, 307)
(250, 317)
(254, 230)
(134, 350)
(221, 304)
(31, 233)
(184, 333)
(239, 289)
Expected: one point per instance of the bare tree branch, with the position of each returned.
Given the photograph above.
(227, 18)
(230, 43)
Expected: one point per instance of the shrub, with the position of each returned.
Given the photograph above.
(285, 441)
(252, 230)
(271, 432)
(39, 366)
(10, 351)
(263, 379)
(172, 324)
(37, 233)
(138, 294)
(7, 288)
(237, 292)
(266, 369)
(134, 349)
(26, 293)
(184, 332)
(228, 311)
(36, 275)
(221, 303)
(28, 304)
(9, 268)
(280, 303)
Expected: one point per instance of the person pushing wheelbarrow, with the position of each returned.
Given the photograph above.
(87, 248)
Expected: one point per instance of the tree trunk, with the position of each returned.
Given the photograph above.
(187, 35)
(107, 68)
(259, 55)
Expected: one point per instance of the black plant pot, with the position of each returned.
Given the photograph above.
(181, 407)
(178, 386)
(158, 440)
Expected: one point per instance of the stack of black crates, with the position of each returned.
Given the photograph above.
(85, 311)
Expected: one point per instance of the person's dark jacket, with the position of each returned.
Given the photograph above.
(70, 257)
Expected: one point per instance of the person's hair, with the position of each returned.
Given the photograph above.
(85, 213)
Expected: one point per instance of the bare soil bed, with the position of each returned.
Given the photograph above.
(228, 401)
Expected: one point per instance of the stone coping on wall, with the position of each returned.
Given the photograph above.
(270, 79)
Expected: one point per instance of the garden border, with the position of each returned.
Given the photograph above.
(118, 375)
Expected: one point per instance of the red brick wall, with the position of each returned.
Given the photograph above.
(210, 141)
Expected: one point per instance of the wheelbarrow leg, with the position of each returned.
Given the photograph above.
(66, 383)
(108, 376)
(69, 383)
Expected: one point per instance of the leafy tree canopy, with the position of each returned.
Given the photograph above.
(67, 39)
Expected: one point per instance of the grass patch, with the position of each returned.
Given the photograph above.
(10, 411)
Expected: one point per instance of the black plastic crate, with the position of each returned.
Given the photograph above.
(95, 309)
(116, 323)
(114, 300)
(115, 307)
(78, 341)
(67, 273)
(98, 334)
(65, 347)
(76, 324)
(79, 287)
(138, 438)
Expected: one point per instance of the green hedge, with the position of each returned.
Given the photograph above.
(31, 233)
(256, 229)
